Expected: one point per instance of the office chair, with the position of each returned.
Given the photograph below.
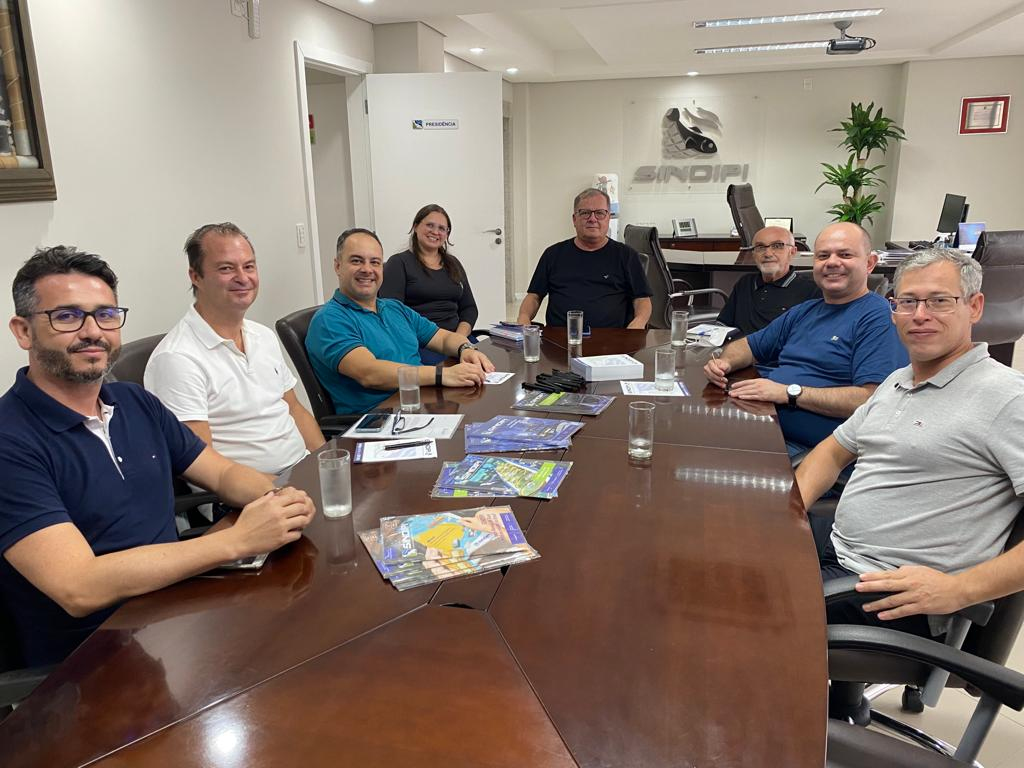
(745, 216)
(16, 680)
(878, 284)
(1001, 255)
(668, 293)
(292, 330)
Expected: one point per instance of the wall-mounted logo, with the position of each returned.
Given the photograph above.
(435, 125)
(683, 134)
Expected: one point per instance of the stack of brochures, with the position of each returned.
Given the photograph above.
(412, 550)
(520, 433)
(564, 402)
(499, 476)
(507, 332)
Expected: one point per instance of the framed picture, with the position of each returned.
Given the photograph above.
(684, 227)
(984, 114)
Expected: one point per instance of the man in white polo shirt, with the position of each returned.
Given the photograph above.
(224, 376)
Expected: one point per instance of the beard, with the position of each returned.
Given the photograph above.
(57, 362)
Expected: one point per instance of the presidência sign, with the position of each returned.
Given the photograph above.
(435, 125)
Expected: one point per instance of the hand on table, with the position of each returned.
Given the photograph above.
(478, 357)
(918, 589)
(464, 374)
(765, 390)
(272, 521)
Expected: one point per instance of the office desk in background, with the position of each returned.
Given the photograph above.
(674, 618)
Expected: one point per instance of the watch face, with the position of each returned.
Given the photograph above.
(794, 390)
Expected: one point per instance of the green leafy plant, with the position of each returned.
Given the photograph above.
(866, 130)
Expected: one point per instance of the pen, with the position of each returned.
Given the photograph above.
(396, 446)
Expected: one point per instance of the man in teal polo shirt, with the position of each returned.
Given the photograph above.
(357, 341)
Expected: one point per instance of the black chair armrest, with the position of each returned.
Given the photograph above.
(1002, 684)
(184, 502)
(837, 590)
(480, 332)
(339, 422)
(17, 684)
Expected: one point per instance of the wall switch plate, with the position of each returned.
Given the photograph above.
(300, 235)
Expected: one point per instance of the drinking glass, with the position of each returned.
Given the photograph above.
(665, 369)
(409, 387)
(335, 482)
(680, 324)
(574, 322)
(531, 343)
(641, 429)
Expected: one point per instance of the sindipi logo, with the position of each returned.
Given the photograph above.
(683, 134)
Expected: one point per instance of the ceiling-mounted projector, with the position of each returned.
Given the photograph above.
(845, 43)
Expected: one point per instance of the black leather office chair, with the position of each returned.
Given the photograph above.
(745, 216)
(668, 293)
(1001, 255)
(292, 330)
(16, 680)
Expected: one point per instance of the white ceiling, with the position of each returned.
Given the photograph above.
(592, 39)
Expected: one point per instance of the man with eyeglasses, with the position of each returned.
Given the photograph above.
(826, 355)
(759, 298)
(86, 502)
(939, 476)
(590, 272)
(224, 376)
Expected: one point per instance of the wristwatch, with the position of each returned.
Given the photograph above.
(458, 353)
(437, 374)
(794, 391)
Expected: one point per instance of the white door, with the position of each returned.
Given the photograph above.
(454, 160)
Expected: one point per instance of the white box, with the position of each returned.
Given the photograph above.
(607, 367)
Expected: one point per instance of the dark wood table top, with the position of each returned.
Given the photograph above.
(674, 618)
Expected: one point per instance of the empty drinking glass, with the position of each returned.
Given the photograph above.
(641, 430)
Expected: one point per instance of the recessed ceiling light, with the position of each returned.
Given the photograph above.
(365, 2)
(692, 74)
(476, 49)
(512, 70)
(792, 17)
(759, 47)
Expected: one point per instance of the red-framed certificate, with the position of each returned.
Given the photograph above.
(984, 114)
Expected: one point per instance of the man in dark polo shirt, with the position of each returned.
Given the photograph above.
(759, 298)
(590, 272)
(86, 502)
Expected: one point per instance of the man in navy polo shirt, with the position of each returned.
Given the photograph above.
(86, 504)
(831, 353)
(357, 341)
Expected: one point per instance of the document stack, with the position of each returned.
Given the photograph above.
(564, 402)
(520, 433)
(499, 476)
(412, 550)
(508, 333)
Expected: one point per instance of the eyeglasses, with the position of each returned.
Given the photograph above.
(777, 247)
(940, 305)
(600, 214)
(70, 319)
(399, 428)
(440, 228)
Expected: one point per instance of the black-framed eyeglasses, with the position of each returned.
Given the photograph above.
(599, 213)
(398, 426)
(70, 319)
(777, 247)
(940, 305)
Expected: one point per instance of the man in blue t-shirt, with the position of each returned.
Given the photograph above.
(830, 353)
(590, 272)
(86, 502)
(357, 341)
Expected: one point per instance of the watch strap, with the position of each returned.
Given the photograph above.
(437, 374)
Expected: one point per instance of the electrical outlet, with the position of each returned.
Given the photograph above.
(807, 83)
(300, 235)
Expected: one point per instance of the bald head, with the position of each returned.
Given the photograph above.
(773, 250)
(843, 259)
(849, 232)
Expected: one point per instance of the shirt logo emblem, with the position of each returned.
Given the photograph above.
(834, 338)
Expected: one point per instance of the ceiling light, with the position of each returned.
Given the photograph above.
(759, 47)
(476, 49)
(512, 70)
(784, 18)
(692, 74)
(365, 2)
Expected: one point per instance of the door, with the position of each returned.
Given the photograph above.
(437, 138)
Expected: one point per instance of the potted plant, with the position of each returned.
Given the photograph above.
(864, 133)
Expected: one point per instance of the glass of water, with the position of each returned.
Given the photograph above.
(335, 482)
(574, 321)
(531, 343)
(665, 369)
(641, 430)
(680, 324)
(409, 387)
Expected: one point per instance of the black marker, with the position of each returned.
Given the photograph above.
(396, 446)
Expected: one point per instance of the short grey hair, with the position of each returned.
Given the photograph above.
(590, 192)
(970, 270)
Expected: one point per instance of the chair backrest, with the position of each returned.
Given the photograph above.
(747, 218)
(292, 330)
(131, 364)
(1001, 255)
(878, 283)
(644, 240)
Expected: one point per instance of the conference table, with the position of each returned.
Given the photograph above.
(674, 618)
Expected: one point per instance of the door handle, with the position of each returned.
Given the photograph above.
(496, 230)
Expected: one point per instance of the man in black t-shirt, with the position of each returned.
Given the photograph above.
(759, 298)
(602, 277)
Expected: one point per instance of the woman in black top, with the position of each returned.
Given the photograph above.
(427, 278)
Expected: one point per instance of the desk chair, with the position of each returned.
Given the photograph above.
(1001, 255)
(668, 293)
(16, 680)
(292, 330)
(745, 216)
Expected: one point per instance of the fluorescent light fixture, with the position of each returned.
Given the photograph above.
(759, 47)
(512, 70)
(785, 18)
(476, 49)
(692, 74)
(365, 2)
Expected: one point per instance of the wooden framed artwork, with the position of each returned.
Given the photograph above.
(26, 172)
(984, 114)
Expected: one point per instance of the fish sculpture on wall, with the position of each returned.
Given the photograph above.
(688, 139)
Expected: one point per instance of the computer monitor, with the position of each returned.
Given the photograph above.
(969, 233)
(952, 214)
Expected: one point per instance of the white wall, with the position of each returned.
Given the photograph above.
(164, 116)
(332, 172)
(985, 168)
